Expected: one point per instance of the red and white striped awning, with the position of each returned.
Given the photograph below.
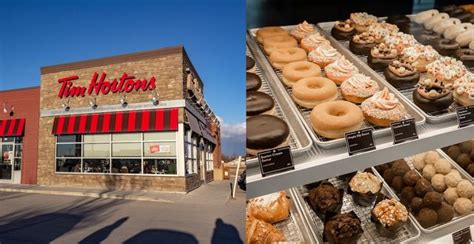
(118, 122)
(12, 127)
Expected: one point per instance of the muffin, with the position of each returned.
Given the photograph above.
(343, 228)
(427, 217)
(363, 186)
(325, 200)
(389, 216)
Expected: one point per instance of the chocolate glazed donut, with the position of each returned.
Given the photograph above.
(361, 48)
(402, 82)
(258, 103)
(466, 55)
(249, 62)
(265, 132)
(253, 82)
(378, 63)
(445, 47)
(431, 106)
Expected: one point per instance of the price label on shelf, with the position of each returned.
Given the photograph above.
(404, 130)
(275, 161)
(462, 236)
(465, 115)
(359, 141)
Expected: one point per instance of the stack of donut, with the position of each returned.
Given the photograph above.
(313, 69)
(264, 129)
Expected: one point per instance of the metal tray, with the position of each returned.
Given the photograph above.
(436, 117)
(438, 227)
(294, 228)
(458, 167)
(299, 140)
(408, 233)
(304, 113)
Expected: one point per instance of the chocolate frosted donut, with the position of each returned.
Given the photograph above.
(253, 82)
(432, 95)
(343, 30)
(401, 75)
(258, 103)
(466, 55)
(427, 37)
(249, 62)
(445, 47)
(362, 43)
(381, 56)
(265, 132)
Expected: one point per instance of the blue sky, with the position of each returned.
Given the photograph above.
(40, 33)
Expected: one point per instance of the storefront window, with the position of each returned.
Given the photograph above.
(117, 153)
(159, 166)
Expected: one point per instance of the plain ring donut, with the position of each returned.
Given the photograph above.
(282, 56)
(311, 91)
(334, 119)
(295, 71)
(265, 32)
(275, 42)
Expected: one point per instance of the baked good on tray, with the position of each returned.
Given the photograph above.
(334, 119)
(340, 70)
(383, 108)
(466, 56)
(311, 91)
(389, 216)
(381, 56)
(446, 69)
(282, 56)
(259, 103)
(464, 90)
(362, 20)
(343, 29)
(324, 55)
(271, 208)
(295, 71)
(302, 30)
(343, 228)
(401, 74)
(363, 187)
(362, 43)
(463, 155)
(433, 95)
(325, 200)
(358, 88)
(270, 31)
(260, 232)
(420, 56)
(249, 62)
(253, 82)
(445, 47)
(274, 42)
(266, 132)
(313, 41)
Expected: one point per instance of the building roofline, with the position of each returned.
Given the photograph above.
(21, 89)
(112, 59)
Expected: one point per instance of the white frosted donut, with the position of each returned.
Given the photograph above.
(452, 32)
(432, 22)
(445, 24)
(422, 17)
(465, 38)
(471, 45)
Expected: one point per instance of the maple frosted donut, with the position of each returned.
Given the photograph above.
(362, 20)
(265, 32)
(430, 23)
(302, 30)
(340, 70)
(358, 88)
(275, 42)
(282, 56)
(295, 71)
(383, 108)
(465, 38)
(333, 119)
(311, 91)
(324, 55)
(424, 16)
(313, 41)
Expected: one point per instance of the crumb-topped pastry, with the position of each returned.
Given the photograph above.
(343, 29)
(340, 70)
(363, 186)
(261, 232)
(401, 74)
(381, 56)
(343, 228)
(464, 90)
(362, 20)
(363, 42)
(302, 30)
(311, 42)
(400, 40)
(433, 95)
(446, 69)
(383, 28)
(390, 215)
(420, 56)
(358, 88)
(270, 208)
(383, 108)
(324, 55)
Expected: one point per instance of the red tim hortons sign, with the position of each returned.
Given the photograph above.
(125, 84)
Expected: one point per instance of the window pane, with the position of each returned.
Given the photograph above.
(158, 136)
(127, 137)
(126, 149)
(68, 150)
(97, 150)
(158, 149)
(18, 150)
(159, 166)
(18, 139)
(8, 139)
(69, 138)
(68, 165)
(97, 138)
(7, 154)
(126, 166)
(17, 165)
(96, 166)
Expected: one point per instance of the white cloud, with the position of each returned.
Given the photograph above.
(233, 130)
(233, 138)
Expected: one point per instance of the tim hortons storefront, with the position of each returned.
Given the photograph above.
(136, 121)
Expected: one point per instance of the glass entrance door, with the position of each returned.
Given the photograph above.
(10, 159)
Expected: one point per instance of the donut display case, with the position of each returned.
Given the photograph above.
(298, 138)
(461, 155)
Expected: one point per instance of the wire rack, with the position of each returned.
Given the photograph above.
(370, 235)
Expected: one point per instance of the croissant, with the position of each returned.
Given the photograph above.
(270, 208)
(260, 232)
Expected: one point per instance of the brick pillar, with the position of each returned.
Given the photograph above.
(216, 131)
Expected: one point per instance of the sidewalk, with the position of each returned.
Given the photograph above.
(217, 190)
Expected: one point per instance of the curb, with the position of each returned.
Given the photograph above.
(87, 194)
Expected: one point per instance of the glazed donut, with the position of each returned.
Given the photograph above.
(295, 71)
(452, 32)
(465, 38)
(265, 32)
(422, 17)
(311, 91)
(430, 24)
(445, 24)
(275, 42)
(282, 56)
(333, 119)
